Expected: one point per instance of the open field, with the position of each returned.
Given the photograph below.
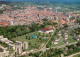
(33, 43)
(71, 40)
(60, 42)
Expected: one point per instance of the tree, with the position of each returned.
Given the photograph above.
(54, 23)
(1, 12)
(45, 19)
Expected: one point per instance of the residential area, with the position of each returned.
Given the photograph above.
(39, 30)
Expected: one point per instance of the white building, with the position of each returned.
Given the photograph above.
(18, 50)
(11, 22)
(25, 45)
(66, 38)
(11, 46)
(3, 53)
(46, 30)
(18, 43)
(59, 34)
(5, 40)
(54, 42)
(1, 37)
(57, 39)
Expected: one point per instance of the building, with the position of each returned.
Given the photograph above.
(3, 52)
(79, 35)
(55, 42)
(57, 39)
(72, 34)
(62, 32)
(46, 30)
(66, 36)
(18, 43)
(59, 34)
(11, 46)
(76, 38)
(5, 40)
(65, 41)
(51, 27)
(11, 22)
(1, 36)
(18, 50)
(25, 45)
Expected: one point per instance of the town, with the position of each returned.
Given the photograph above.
(39, 31)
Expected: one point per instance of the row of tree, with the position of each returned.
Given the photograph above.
(15, 31)
(52, 38)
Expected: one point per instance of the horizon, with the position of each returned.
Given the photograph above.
(43, 0)
(53, 1)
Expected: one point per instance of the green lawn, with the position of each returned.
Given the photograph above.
(52, 38)
(33, 43)
(60, 42)
(71, 40)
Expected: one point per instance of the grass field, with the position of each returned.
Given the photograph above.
(52, 38)
(71, 40)
(60, 42)
(33, 43)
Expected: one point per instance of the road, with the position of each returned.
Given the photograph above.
(44, 49)
(48, 41)
(12, 55)
(73, 54)
(61, 46)
(45, 46)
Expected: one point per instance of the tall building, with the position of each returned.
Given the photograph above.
(19, 43)
(11, 22)
(57, 18)
(3, 52)
(11, 46)
(25, 45)
(56, 11)
(18, 50)
(69, 16)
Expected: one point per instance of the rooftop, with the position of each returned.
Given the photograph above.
(45, 29)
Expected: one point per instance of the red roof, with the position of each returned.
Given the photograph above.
(45, 29)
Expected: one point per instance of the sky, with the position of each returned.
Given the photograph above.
(40, 0)
(66, 1)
